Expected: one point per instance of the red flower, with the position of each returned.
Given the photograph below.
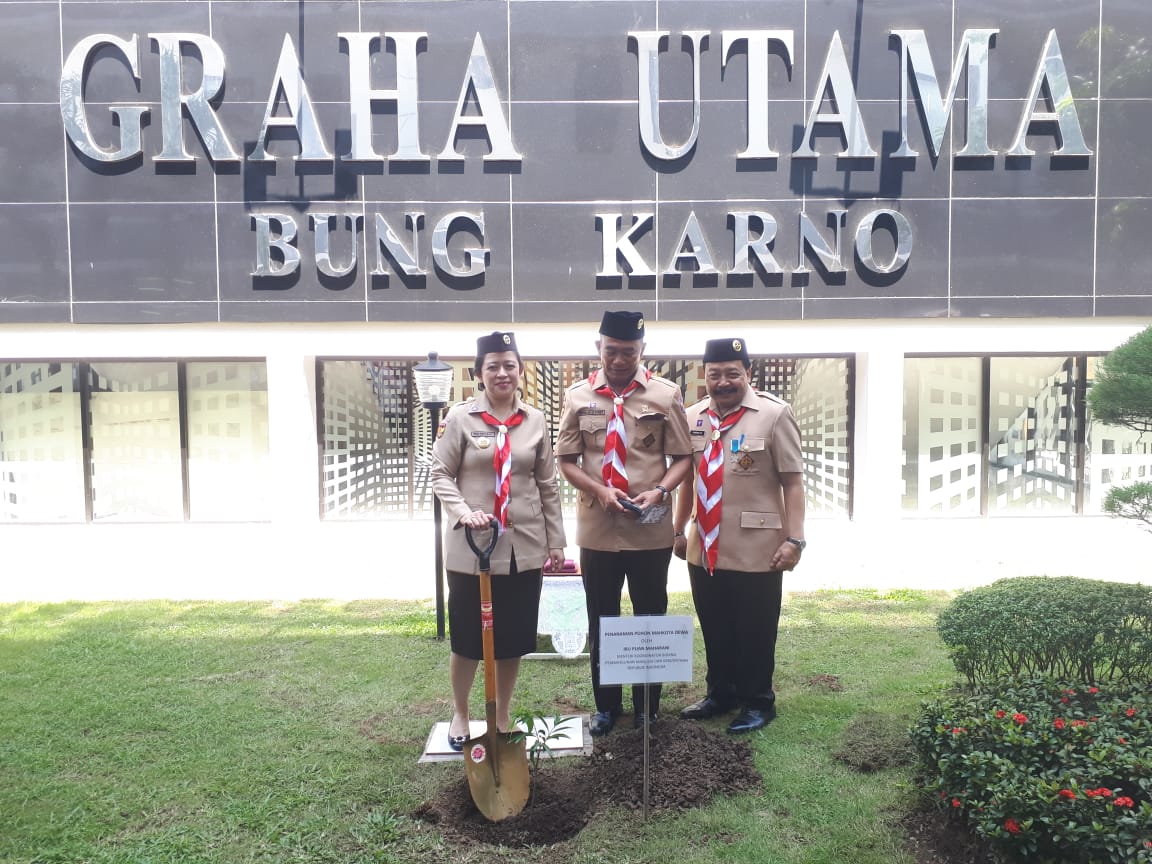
(1102, 792)
(1000, 714)
(1067, 793)
(957, 803)
(1131, 712)
(1124, 801)
(1013, 826)
(959, 730)
(1020, 718)
(1058, 722)
(1079, 722)
(1093, 690)
(1064, 699)
(1122, 740)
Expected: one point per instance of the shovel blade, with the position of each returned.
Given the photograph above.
(497, 771)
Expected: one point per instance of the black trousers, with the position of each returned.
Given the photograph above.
(604, 573)
(739, 615)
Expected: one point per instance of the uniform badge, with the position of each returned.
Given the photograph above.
(440, 428)
(649, 440)
(483, 443)
(745, 462)
(700, 422)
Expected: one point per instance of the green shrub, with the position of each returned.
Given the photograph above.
(1046, 772)
(1065, 627)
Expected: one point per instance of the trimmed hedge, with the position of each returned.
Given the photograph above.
(1065, 627)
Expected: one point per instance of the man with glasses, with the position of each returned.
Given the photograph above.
(623, 444)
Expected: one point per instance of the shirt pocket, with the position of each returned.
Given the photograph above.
(650, 432)
(593, 430)
(754, 519)
(748, 459)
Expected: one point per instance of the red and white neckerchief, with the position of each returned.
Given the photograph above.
(616, 440)
(710, 486)
(502, 462)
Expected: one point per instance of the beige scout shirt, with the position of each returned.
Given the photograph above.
(656, 429)
(752, 505)
(464, 479)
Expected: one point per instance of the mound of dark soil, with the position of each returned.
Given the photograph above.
(688, 765)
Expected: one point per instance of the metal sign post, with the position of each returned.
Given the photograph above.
(645, 649)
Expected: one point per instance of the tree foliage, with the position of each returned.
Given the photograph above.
(1131, 502)
(1122, 392)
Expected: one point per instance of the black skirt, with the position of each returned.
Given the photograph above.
(515, 611)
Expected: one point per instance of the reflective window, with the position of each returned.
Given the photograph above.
(41, 446)
(941, 440)
(1114, 456)
(134, 417)
(377, 438)
(1031, 435)
(228, 441)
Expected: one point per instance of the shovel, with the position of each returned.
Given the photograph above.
(496, 766)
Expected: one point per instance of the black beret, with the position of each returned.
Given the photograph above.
(724, 350)
(494, 343)
(622, 325)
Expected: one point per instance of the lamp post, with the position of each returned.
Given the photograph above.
(433, 379)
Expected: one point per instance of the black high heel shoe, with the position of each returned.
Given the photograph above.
(456, 742)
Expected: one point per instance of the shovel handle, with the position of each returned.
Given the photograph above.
(485, 554)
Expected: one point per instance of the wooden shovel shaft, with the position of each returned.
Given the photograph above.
(487, 637)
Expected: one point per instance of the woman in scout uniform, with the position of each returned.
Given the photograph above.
(492, 463)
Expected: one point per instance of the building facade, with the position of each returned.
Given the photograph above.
(231, 227)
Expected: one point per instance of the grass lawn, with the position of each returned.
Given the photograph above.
(181, 733)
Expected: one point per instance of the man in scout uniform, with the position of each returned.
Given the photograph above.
(746, 528)
(623, 441)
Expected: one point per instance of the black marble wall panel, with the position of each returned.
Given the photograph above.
(144, 240)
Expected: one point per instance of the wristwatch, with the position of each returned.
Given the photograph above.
(663, 492)
(797, 542)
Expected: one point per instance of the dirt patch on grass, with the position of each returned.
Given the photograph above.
(826, 682)
(688, 766)
(873, 742)
(933, 838)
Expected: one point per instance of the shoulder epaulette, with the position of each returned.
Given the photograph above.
(764, 394)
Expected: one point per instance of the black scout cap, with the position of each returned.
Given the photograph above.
(725, 350)
(623, 325)
(495, 343)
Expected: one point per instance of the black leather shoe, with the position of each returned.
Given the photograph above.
(602, 723)
(751, 719)
(705, 708)
(641, 719)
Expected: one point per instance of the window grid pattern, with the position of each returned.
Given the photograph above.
(941, 437)
(41, 473)
(379, 465)
(1032, 426)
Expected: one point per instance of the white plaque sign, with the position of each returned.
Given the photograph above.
(645, 649)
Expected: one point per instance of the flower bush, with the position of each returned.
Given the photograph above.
(1047, 772)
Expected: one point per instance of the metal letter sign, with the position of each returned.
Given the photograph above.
(415, 218)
